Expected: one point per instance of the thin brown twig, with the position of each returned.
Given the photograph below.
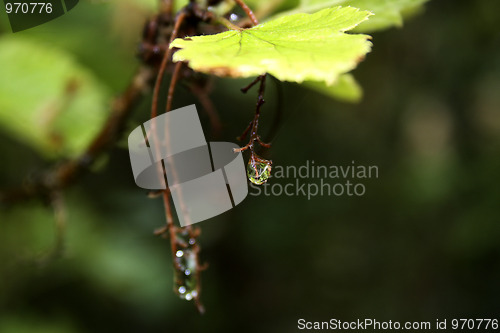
(164, 62)
(173, 84)
(154, 106)
(168, 210)
(250, 85)
(260, 168)
(175, 243)
(248, 11)
(175, 233)
(254, 125)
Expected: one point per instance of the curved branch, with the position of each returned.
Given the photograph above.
(65, 173)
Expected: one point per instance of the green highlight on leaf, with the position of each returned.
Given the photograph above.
(293, 48)
(388, 13)
(346, 89)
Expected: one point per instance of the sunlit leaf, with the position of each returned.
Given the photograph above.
(293, 48)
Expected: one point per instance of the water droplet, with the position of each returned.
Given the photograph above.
(233, 17)
(194, 293)
(258, 170)
(186, 265)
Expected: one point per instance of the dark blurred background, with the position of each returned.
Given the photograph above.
(422, 243)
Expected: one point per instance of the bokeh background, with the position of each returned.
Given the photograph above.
(422, 244)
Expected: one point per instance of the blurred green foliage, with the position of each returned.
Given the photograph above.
(422, 244)
(47, 99)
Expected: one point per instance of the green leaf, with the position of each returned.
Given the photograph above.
(47, 100)
(346, 88)
(388, 13)
(293, 48)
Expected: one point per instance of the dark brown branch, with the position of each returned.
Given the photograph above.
(253, 83)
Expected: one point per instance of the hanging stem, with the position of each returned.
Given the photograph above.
(185, 254)
(164, 62)
(254, 125)
(259, 169)
(183, 243)
(253, 83)
(173, 84)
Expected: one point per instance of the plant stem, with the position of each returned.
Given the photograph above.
(164, 62)
(173, 83)
(248, 11)
(254, 125)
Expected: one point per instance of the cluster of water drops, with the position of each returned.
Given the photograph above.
(186, 282)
